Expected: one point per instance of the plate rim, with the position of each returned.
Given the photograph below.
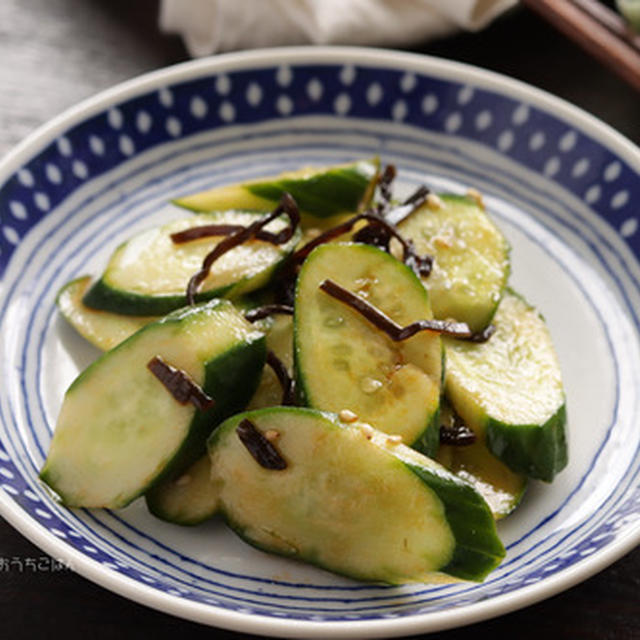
(260, 624)
(267, 57)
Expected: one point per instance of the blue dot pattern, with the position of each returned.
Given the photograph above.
(531, 137)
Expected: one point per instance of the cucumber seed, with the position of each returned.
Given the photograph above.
(370, 385)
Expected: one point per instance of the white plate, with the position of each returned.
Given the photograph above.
(560, 184)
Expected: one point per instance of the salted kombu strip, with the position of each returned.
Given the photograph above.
(484, 335)
(286, 381)
(253, 315)
(421, 264)
(459, 330)
(383, 322)
(261, 450)
(237, 235)
(180, 384)
(205, 231)
(385, 181)
(457, 433)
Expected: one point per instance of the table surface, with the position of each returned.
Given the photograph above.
(57, 52)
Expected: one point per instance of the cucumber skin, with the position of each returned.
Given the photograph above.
(467, 563)
(346, 186)
(429, 441)
(472, 524)
(356, 179)
(536, 451)
(246, 361)
(103, 297)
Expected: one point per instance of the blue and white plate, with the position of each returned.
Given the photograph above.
(563, 187)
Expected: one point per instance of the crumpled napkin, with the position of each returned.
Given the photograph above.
(209, 26)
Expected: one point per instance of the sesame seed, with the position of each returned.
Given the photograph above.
(347, 416)
(442, 241)
(474, 194)
(367, 430)
(434, 202)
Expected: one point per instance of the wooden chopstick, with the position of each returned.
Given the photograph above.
(599, 30)
(610, 19)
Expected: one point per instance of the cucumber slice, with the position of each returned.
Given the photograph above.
(148, 275)
(501, 488)
(344, 362)
(320, 192)
(192, 498)
(351, 500)
(471, 265)
(103, 329)
(189, 499)
(510, 391)
(119, 429)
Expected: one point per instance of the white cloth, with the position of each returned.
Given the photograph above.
(209, 26)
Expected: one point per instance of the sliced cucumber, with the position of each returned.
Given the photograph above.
(148, 275)
(351, 500)
(501, 488)
(320, 192)
(344, 362)
(471, 264)
(510, 391)
(189, 499)
(103, 329)
(119, 429)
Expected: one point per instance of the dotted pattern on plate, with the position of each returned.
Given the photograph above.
(529, 136)
(519, 131)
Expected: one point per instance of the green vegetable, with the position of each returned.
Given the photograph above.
(509, 391)
(351, 499)
(501, 488)
(192, 498)
(280, 343)
(189, 499)
(344, 362)
(148, 274)
(471, 258)
(103, 329)
(319, 192)
(120, 430)
(630, 9)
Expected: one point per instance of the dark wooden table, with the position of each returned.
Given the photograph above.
(56, 52)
